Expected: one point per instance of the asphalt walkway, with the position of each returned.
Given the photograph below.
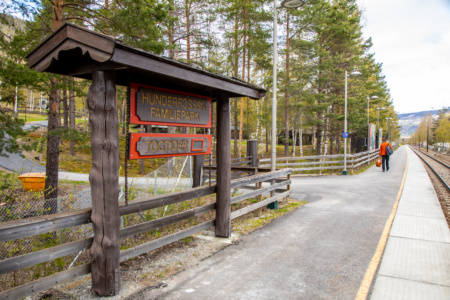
(14, 162)
(326, 249)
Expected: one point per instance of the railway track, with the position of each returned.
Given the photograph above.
(439, 172)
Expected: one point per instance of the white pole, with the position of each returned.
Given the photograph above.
(368, 126)
(15, 105)
(274, 98)
(344, 172)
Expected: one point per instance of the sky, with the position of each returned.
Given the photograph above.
(412, 40)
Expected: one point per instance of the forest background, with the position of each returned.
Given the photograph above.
(317, 44)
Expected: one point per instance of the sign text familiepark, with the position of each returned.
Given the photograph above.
(157, 106)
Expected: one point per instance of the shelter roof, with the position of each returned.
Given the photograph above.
(77, 51)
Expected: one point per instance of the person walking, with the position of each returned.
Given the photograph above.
(384, 153)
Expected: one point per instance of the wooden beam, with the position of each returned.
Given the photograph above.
(166, 199)
(104, 179)
(243, 211)
(18, 229)
(147, 226)
(45, 283)
(257, 192)
(33, 258)
(260, 177)
(223, 196)
(155, 244)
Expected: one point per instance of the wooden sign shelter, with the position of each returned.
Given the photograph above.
(78, 52)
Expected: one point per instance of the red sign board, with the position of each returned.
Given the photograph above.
(157, 106)
(151, 145)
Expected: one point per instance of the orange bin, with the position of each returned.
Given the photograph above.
(33, 181)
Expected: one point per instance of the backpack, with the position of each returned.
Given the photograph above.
(389, 150)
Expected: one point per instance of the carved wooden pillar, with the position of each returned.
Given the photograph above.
(223, 196)
(104, 179)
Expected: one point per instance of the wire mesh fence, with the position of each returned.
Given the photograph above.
(175, 175)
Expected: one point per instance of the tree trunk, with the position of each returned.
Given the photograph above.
(301, 135)
(124, 115)
(236, 70)
(71, 114)
(319, 135)
(314, 138)
(326, 136)
(52, 165)
(65, 109)
(171, 32)
(58, 16)
(188, 30)
(54, 120)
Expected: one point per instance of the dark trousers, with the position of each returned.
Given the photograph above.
(385, 162)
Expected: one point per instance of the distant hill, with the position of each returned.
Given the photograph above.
(411, 121)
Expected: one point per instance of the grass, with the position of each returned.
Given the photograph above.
(33, 117)
(256, 219)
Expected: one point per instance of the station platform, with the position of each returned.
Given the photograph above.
(416, 259)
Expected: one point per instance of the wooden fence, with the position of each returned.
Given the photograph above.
(323, 162)
(18, 229)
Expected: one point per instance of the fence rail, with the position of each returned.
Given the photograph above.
(17, 229)
(322, 162)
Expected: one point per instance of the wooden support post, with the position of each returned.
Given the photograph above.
(197, 170)
(104, 179)
(223, 196)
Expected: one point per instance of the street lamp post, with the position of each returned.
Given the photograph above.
(285, 4)
(354, 73)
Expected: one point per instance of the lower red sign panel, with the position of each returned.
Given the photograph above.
(151, 145)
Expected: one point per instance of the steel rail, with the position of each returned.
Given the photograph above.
(442, 163)
(434, 171)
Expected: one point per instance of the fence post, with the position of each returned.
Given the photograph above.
(197, 170)
(104, 180)
(252, 150)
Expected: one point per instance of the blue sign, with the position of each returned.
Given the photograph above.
(345, 134)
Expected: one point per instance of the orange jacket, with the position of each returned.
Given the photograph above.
(383, 148)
